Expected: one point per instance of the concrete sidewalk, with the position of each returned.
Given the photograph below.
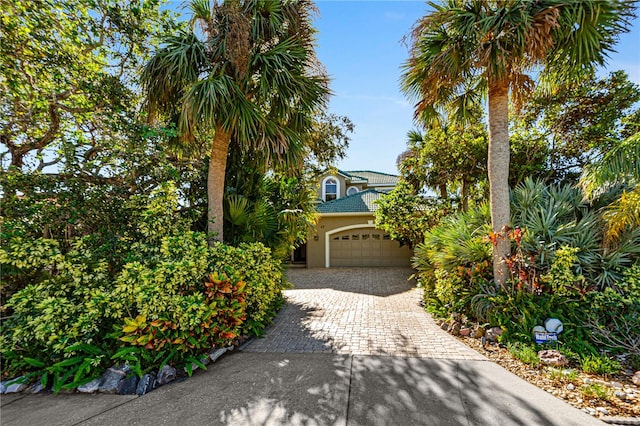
(315, 389)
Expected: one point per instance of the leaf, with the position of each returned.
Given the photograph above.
(34, 362)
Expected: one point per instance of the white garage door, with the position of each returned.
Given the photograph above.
(366, 247)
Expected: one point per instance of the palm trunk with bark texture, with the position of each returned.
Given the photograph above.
(499, 176)
(215, 185)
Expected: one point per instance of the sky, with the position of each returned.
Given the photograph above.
(360, 45)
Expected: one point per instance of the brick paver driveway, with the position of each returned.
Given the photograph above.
(357, 311)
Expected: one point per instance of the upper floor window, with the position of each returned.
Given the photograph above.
(352, 190)
(330, 189)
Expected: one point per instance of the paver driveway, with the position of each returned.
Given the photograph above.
(358, 311)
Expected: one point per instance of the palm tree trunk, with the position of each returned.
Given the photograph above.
(465, 195)
(215, 185)
(499, 176)
(443, 191)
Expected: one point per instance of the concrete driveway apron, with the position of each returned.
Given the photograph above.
(358, 311)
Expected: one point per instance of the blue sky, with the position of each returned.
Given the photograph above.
(359, 43)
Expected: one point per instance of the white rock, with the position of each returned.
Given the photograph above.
(90, 387)
(620, 394)
(217, 353)
(587, 380)
(570, 386)
(636, 378)
(602, 410)
(616, 385)
(13, 385)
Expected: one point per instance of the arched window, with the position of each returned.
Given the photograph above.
(352, 190)
(330, 189)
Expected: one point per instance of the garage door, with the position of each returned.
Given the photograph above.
(366, 247)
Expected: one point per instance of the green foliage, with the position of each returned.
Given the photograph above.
(600, 364)
(613, 316)
(597, 391)
(264, 279)
(579, 120)
(454, 258)
(174, 298)
(407, 215)
(561, 277)
(525, 353)
(446, 158)
(558, 216)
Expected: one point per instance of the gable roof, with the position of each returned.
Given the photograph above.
(371, 177)
(360, 202)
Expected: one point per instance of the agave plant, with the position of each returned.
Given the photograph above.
(557, 216)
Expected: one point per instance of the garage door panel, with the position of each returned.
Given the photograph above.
(366, 247)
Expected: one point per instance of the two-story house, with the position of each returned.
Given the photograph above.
(346, 233)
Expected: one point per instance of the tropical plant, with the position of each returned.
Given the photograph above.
(580, 122)
(407, 215)
(253, 80)
(446, 158)
(620, 166)
(464, 49)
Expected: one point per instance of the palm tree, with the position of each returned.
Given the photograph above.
(620, 166)
(246, 75)
(466, 49)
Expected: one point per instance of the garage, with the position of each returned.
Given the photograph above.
(366, 247)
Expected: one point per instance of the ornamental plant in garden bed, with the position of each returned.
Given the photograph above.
(560, 266)
(174, 299)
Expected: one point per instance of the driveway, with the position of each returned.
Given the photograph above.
(379, 360)
(358, 311)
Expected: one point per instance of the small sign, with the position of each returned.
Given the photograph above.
(541, 337)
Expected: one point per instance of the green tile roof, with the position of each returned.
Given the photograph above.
(372, 178)
(361, 202)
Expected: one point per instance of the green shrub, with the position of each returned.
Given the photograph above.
(562, 278)
(264, 279)
(600, 364)
(60, 316)
(613, 317)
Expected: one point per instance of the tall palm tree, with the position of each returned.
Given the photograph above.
(247, 74)
(465, 49)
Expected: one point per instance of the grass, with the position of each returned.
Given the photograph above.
(594, 390)
(525, 353)
(600, 364)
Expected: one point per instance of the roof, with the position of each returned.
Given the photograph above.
(372, 178)
(360, 202)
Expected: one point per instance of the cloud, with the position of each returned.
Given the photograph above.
(371, 98)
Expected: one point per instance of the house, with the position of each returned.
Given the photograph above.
(346, 234)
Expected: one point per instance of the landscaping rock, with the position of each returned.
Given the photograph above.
(465, 332)
(636, 378)
(478, 332)
(621, 395)
(146, 384)
(444, 326)
(90, 387)
(570, 386)
(37, 387)
(129, 385)
(552, 357)
(493, 333)
(217, 353)
(13, 385)
(455, 328)
(166, 375)
(602, 410)
(111, 378)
